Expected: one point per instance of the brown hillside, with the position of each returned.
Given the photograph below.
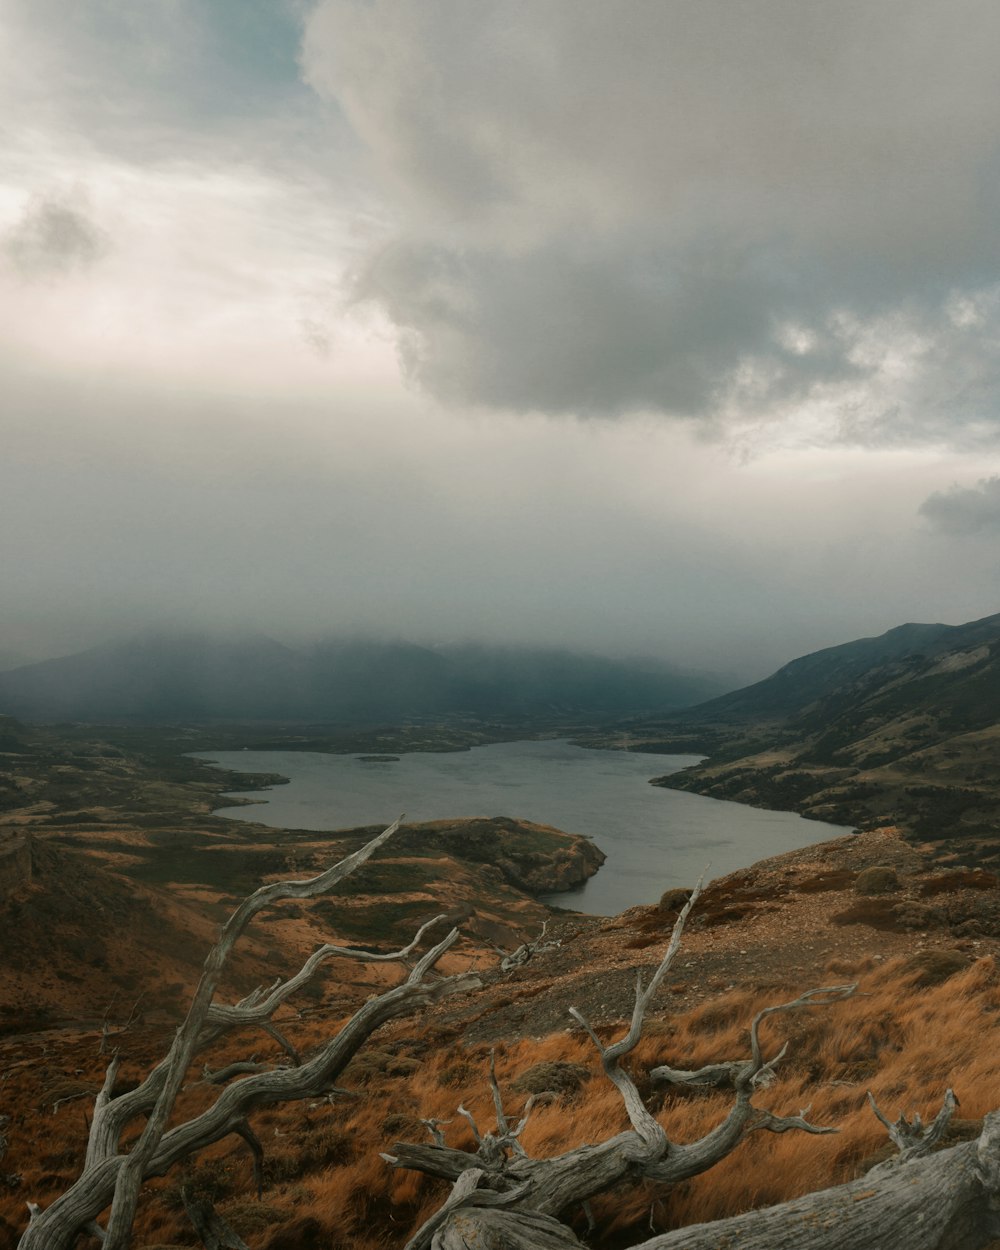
(923, 942)
(77, 938)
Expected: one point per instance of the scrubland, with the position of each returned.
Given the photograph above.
(914, 1028)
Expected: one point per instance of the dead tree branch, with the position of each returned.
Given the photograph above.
(549, 1186)
(945, 1201)
(510, 961)
(111, 1176)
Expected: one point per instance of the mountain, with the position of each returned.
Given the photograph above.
(902, 729)
(834, 670)
(191, 678)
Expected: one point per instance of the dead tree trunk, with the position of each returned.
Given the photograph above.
(944, 1201)
(112, 1177)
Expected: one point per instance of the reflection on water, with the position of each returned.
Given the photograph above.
(653, 838)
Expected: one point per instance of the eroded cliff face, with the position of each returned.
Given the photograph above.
(15, 862)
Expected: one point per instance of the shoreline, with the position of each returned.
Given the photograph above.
(689, 836)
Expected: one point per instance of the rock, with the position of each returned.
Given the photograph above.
(918, 916)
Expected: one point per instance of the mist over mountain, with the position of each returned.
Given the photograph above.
(165, 679)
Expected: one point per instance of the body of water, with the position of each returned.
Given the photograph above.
(653, 838)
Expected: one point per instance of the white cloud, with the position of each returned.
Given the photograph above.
(611, 206)
(964, 510)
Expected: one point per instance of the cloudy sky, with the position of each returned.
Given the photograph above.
(665, 327)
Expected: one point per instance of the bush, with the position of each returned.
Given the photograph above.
(879, 880)
(555, 1077)
(673, 900)
(933, 967)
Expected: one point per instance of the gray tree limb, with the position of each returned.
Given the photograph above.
(113, 1177)
(643, 1152)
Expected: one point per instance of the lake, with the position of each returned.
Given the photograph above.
(653, 838)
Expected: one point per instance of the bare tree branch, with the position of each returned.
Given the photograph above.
(111, 1176)
(912, 1138)
(557, 1183)
(214, 1232)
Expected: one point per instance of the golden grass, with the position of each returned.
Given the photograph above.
(905, 1043)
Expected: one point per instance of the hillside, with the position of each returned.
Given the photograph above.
(113, 870)
(838, 670)
(129, 874)
(193, 679)
(79, 940)
(899, 729)
(924, 950)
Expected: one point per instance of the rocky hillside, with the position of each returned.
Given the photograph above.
(811, 679)
(921, 937)
(899, 730)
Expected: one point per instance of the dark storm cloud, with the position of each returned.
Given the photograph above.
(965, 509)
(605, 206)
(780, 218)
(560, 329)
(55, 234)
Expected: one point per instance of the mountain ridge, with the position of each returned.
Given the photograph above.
(891, 730)
(818, 673)
(195, 678)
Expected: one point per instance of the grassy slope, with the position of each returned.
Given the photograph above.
(905, 1037)
(325, 1185)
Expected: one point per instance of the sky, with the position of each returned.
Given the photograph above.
(647, 327)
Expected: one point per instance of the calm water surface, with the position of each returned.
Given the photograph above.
(653, 838)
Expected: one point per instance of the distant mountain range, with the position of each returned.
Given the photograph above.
(190, 678)
(900, 729)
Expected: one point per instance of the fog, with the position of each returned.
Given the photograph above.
(642, 328)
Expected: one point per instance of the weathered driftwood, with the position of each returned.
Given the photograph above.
(546, 1187)
(511, 961)
(113, 1177)
(944, 1201)
(502, 1200)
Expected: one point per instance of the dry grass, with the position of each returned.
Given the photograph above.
(326, 1184)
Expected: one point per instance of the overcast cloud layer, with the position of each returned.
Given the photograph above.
(647, 326)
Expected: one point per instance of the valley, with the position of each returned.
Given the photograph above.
(116, 871)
